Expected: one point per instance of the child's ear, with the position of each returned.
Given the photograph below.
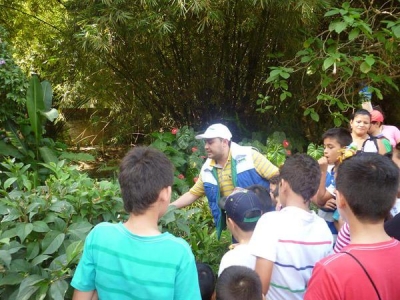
(165, 194)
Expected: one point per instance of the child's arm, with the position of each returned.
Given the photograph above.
(264, 270)
(79, 295)
(322, 195)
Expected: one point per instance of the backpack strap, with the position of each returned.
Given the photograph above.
(371, 138)
(366, 273)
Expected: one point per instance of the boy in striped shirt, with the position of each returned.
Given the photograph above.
(288, 243)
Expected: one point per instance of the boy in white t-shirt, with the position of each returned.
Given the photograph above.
(243, 210)
(288, 243)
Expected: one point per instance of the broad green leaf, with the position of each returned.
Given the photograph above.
(365, 68)
(5, 257)
(328, 62)
(49, 237)
(50, 115)
(337, 122)
(338, 27)
(73, 251)
(40, 226)
(61, 206)
(23, 230)
(158, 144)
(305, 59)
(48, 155)
(9, 150)
(35, 104)
(47, 95)
(13, 134)
(370, 60)
(285, 75)
(315, 151)
(80, 229)
(32, 250)
(396, 31)
(39, 259)
(58, 289)
(55, 244)
(275, 73)
(354, 33)
(12, 215)
(9, 182)
(314, 116)
(332, 12)
(28, 287)
(11, 278)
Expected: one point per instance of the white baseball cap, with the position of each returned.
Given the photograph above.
(216, 131)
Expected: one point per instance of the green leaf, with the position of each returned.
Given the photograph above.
(48, 155)
(23, 230)
(39, 259)
(9, 150)
(354, 33)
(28, 287)
(314, 116)
(285, 75)
(73, 251)
(50, 115)
(35, 104)
(328, 62)
(47, 95)
(12, 278)
(80, 229)
(40, 226)
(332, 12)
(370, 60)
(396, 31)
(365, 68)
(9, 182)
(5, 256)
(58, 289)
(32, 250)
(55, 243)
(338, 27)
(337, 122)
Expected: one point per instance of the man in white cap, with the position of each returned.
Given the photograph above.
(229, 165)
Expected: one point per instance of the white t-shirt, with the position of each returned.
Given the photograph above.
(294, 240)
(238, 256)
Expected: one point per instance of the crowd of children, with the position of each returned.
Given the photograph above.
(282, 250)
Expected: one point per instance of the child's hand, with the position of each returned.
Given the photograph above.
(330, 204)
(323, 163)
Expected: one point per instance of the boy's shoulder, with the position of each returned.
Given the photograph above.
(363, 251)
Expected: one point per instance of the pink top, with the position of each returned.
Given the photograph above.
(392, 133)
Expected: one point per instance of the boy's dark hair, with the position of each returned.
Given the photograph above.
(238, 283)
(206, 280)
(302, 173)
(341, 135)
(263, 195)
(144, 172)
(362, 112)
(369, 182)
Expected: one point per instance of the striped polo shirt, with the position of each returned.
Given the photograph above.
(295, 240)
